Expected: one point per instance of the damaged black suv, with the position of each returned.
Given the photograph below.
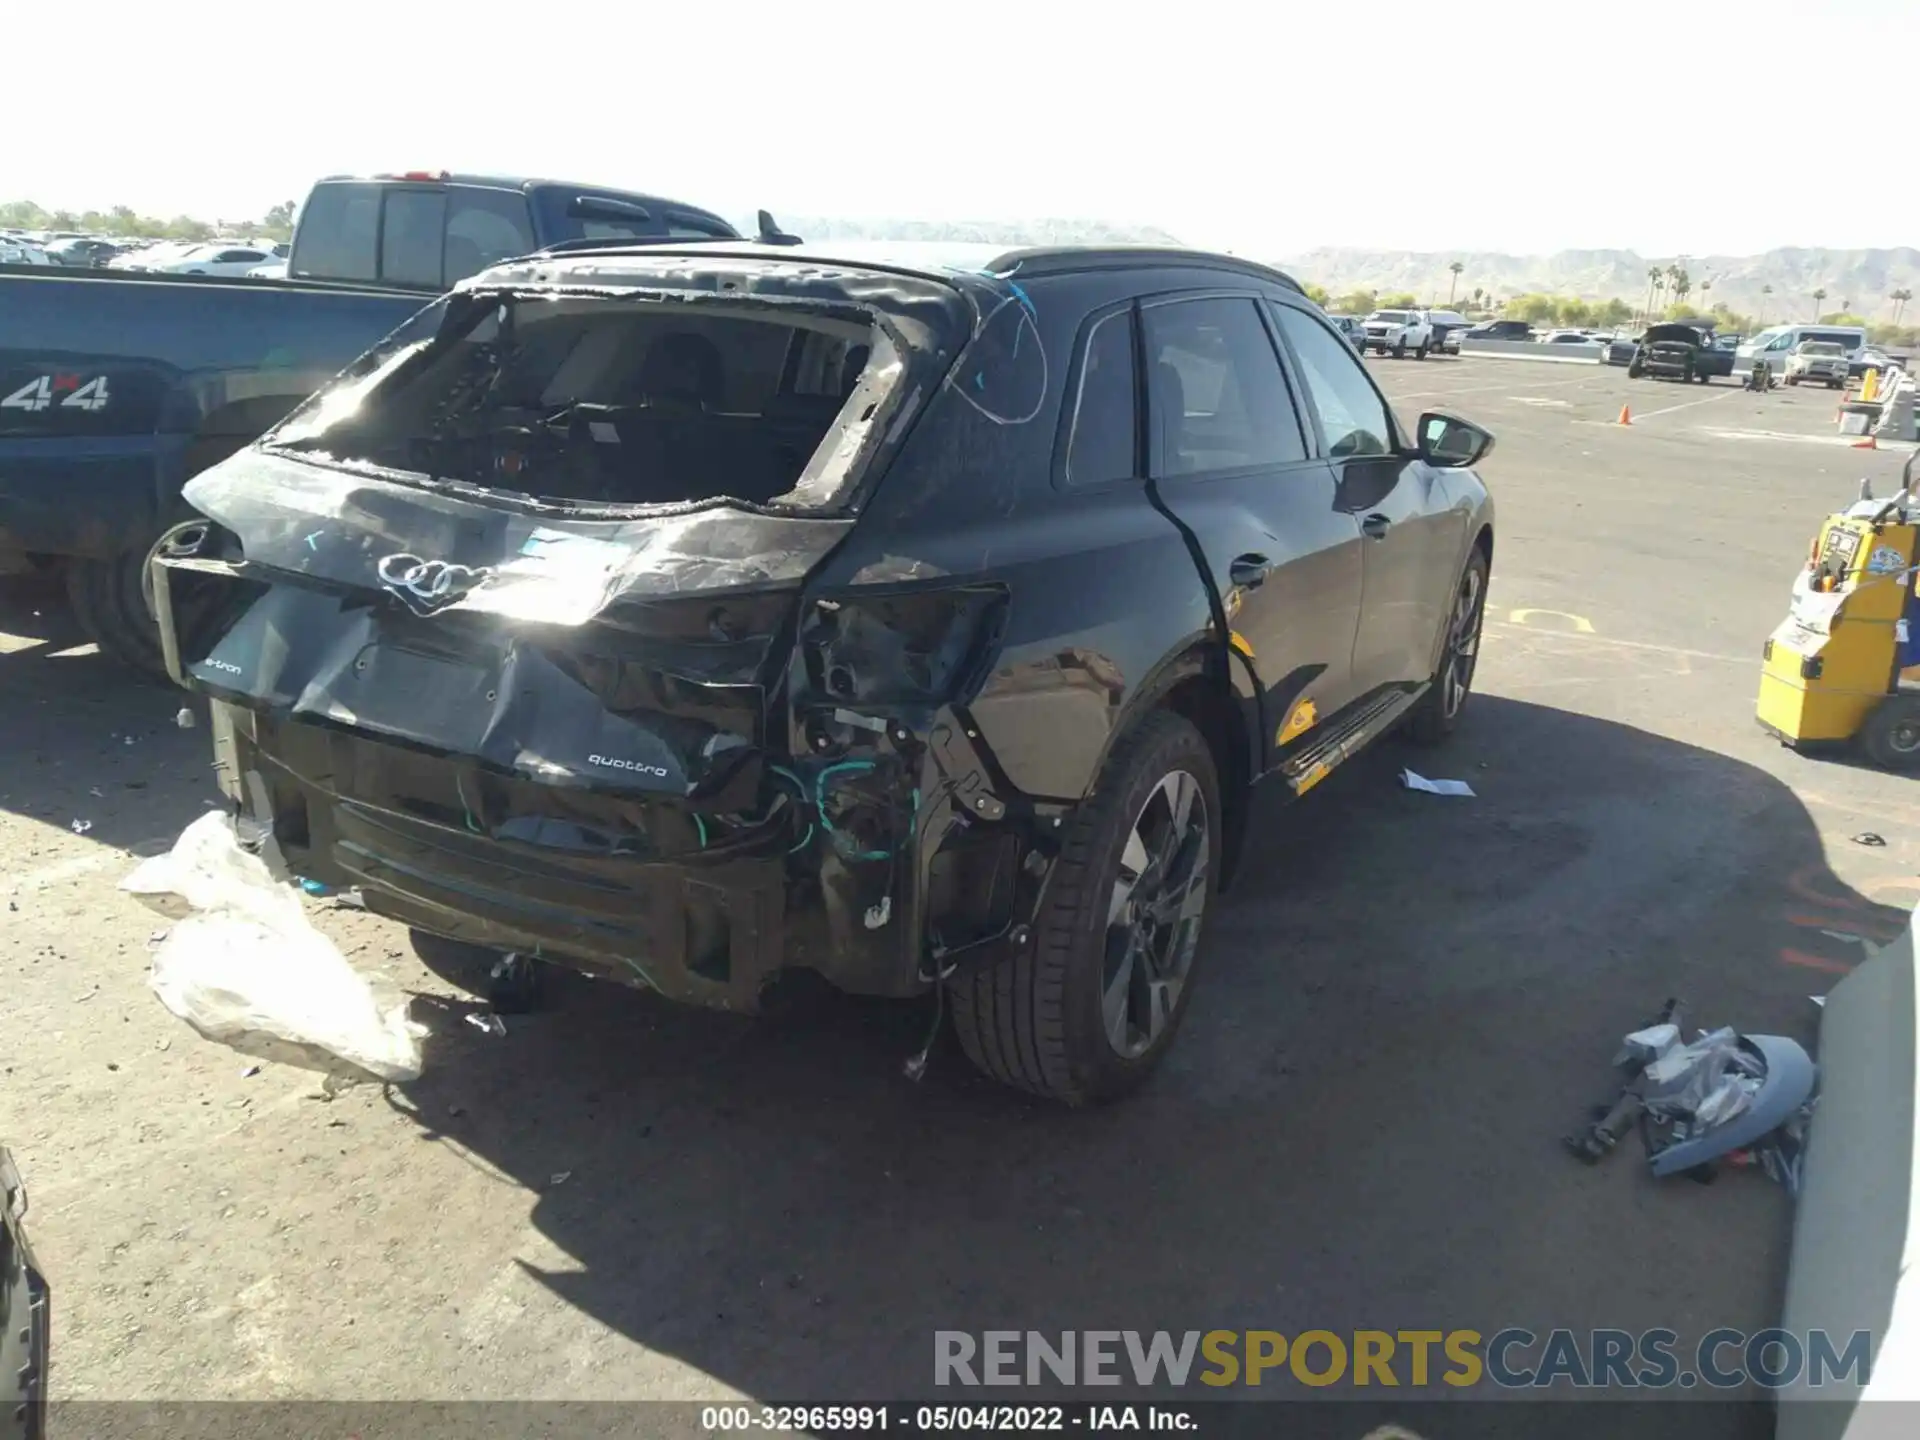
(684, 614)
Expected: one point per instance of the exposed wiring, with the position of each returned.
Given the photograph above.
(701, 826)
(461, 789)
(801, 844)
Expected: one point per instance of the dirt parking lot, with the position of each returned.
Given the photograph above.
(1407, 1001)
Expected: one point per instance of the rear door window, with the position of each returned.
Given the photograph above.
(1218, 398)
(1101, 435)
(484, 227)
(339, 235)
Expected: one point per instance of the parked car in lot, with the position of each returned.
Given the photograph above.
(216, 258)
(116, 385)
(1817, 362)
(1567, 337)
(22, 252)
(83, 252)
(1618, 350)
(671, 641)
(1501, 330)
(1870, 357)
(1353, 328)
(1396, 332)
(1679, 352)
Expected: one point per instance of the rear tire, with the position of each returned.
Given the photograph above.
(1421, 353)
(109, 600)
(1891, 736)
(1438, 714)
(1081, 1013)
(1400, 348)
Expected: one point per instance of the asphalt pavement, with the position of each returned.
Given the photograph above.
(1407, 1000)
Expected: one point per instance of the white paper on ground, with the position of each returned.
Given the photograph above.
(244, 966)
(1435, 787)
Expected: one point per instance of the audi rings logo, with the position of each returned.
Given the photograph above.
(430, 585)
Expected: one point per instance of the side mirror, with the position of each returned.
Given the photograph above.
(1449, 443)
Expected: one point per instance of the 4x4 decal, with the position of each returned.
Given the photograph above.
(73, 393)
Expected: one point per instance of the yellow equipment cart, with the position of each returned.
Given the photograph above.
(1845, 663)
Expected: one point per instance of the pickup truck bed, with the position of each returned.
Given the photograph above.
(116, 388)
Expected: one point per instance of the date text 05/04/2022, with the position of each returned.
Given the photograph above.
(1085, 1419)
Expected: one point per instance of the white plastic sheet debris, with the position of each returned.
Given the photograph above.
(242, 964)
(1435, 787)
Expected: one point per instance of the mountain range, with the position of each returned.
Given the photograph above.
(991, 232)
(1855, 280)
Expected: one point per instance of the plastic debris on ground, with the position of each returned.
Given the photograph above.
(80, 827)
(1868, 837)
(184, 719)
(1435, 787)
(243, 965)
(1723, 1097)
(489, 1022)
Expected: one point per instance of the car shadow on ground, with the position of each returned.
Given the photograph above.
(1406, 1001)
(86, 739)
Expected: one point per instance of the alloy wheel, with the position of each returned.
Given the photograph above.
(1463, 641)
(1153, 917)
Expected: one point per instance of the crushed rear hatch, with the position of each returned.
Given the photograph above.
(498, 625)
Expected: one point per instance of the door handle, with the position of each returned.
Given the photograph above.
(1249, 571)
(1374, 527)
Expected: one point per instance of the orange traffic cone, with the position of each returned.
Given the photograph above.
(1626, 416)
(1867, 444)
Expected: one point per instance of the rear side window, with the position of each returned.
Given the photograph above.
(1217, 397)
(1100, 442)
(1352, 415)
(339, 233)
(484, 227)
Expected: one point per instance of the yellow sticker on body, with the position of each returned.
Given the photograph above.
(1300, 720)
(1312, 778)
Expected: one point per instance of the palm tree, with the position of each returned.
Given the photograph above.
(1456, 267)
(1681, 286)
(1653, 289)
(1899, 298)
(1705, 286)
(1765, 290)
(1818, 296)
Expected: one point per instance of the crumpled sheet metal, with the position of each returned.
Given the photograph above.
(441, 551)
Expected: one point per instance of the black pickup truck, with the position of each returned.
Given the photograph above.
(116, 388)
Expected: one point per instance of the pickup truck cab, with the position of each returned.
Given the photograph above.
(1396, 332)
(118, 386)
(431, 231)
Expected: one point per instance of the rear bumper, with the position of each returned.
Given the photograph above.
(706, 925)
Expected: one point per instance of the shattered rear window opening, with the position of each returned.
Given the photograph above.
(616, 401)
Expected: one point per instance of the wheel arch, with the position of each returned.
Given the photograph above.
(1197, 684)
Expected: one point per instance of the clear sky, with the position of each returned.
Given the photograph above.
(1268, 128)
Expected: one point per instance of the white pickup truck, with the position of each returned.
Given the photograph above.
(1396, 332)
